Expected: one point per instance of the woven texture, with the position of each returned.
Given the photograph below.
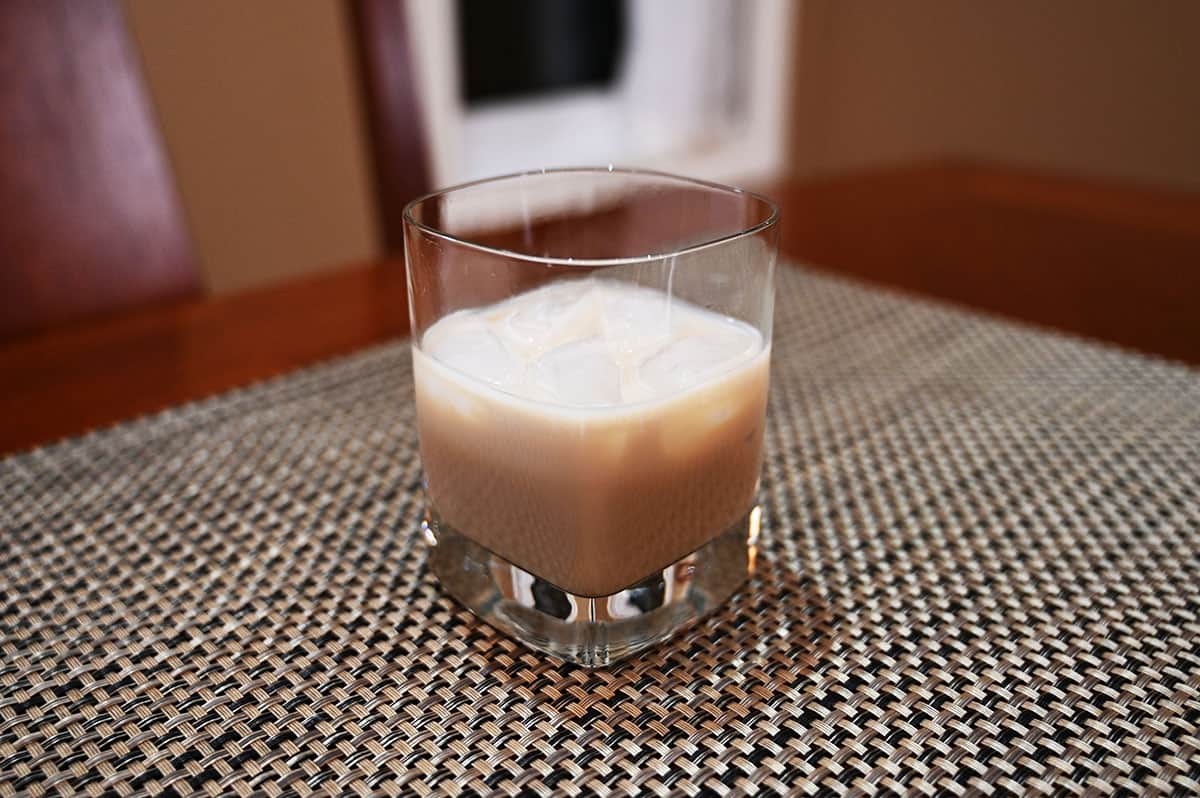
(979, 572)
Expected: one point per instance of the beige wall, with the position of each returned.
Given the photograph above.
(259, 107)
(1098, 87)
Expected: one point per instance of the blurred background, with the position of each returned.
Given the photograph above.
(1032, 158)
(266, 107)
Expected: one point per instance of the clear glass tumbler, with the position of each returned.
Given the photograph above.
(590, 353)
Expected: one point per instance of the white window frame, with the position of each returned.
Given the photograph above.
(753, 152)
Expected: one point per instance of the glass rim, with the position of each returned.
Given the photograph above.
(745, 232)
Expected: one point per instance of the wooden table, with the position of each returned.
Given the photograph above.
(1110, 262)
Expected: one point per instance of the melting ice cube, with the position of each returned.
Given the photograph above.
(561, 312)
(634, 318)
(581, 373)
(477, 352)
(687, 362)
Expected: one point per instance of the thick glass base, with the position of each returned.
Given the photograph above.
(592, 630)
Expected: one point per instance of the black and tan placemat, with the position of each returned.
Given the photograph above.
(980, 573)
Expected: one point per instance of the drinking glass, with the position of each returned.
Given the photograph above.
(590, 356)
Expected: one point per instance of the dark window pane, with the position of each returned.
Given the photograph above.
(519, 48)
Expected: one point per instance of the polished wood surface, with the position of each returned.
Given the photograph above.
(1117, 263)
(1108, 261)
(398, 145)
(70, 380)
(89, 217)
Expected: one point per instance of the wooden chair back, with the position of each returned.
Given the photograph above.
(393, 112)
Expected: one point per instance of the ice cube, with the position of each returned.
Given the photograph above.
(633, 318)
(477, 352)
(557, 313)
(690, 361)
(580, 373)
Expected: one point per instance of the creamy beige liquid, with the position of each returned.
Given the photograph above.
(591, 432)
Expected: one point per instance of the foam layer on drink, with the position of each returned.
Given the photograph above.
(591, 432)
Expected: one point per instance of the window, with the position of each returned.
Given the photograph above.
(690, 86)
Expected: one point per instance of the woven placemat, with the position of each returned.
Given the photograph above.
(979, 573)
